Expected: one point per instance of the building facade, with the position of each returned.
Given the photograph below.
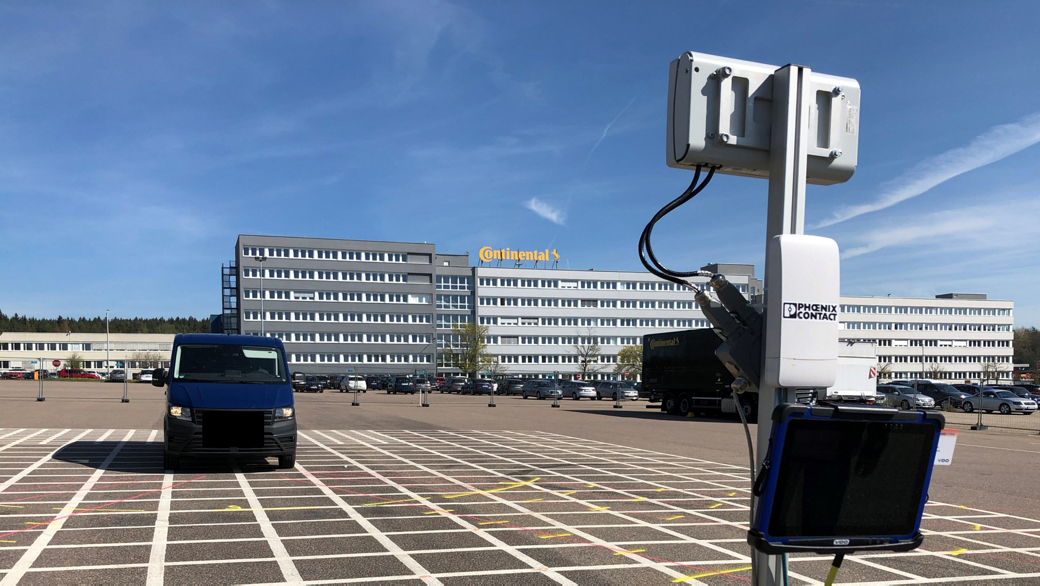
(389, 308)
(133, 352)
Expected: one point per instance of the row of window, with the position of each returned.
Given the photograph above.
(584, 303)
(454, 283)
(887, 309)
(326, 275)
(351, 338)
(954, 377)
(924, 327)
(348, 296)
(938, 343)
(592, 322)
(391, 318)
(361, 358)
(906, 359)
(598, 285)
(326, 254)
(563, 340)
(85, 347)
(554, 359)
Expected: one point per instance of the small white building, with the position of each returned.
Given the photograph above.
(18, 350)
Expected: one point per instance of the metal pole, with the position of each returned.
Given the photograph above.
(556, 383)
(261, 259)
(39, 396)
(491, 403)
(786, 215)
(356, 403)
(108, 349)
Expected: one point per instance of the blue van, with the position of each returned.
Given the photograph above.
(227, 396)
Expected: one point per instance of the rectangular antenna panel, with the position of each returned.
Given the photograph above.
(720, 112)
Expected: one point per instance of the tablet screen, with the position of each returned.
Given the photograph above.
(850, 478)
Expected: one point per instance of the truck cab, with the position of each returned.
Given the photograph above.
(227, 396)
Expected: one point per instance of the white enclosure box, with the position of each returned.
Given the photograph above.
(801, 336)
(856, 379)
(720, 112)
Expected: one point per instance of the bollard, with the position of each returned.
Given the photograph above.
(126, 389)
(424, 396)
(39, 396)
(556, 401)
(355, 403)
(617, 400)
(491, 403)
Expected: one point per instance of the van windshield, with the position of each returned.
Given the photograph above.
(228, 363)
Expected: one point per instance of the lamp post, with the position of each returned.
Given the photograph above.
(260, 259)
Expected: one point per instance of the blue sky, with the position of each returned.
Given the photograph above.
(137, 140)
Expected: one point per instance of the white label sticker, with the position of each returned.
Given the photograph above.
(947, 442)
(852, 122)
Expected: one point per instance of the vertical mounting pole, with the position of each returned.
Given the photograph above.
(356, 403)
(39, 396)
(788, 148)
(126, 390)
(556, 384)
(491, 403)
(424, 395)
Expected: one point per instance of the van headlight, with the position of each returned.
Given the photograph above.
(284, 413)
(178, 412)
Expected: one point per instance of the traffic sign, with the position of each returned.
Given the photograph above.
(33, 361)
(421, 372)
(56, 363)
(350, 370)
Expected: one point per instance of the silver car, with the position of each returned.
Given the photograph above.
(541, 389)
(903, 397)
(615, 390)
(577, 389)
(1004, 401)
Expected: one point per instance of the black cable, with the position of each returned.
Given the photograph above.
(657, 268)
(751, 456)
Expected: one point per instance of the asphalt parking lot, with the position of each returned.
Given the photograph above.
(457, 493)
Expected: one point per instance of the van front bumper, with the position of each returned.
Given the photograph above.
(184, 438)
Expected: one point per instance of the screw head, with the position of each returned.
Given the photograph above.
(724, 137)
(725, 71)
(837, 91)
(836, 153)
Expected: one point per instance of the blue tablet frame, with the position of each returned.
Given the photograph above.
(765, 485)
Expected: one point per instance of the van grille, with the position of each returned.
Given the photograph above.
(200, 415)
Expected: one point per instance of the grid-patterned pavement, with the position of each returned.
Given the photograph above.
(434, 507)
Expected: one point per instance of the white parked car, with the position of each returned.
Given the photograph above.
(353, 382)
(146, 376)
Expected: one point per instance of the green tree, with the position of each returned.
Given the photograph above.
(471, 357)
(75, 360)
(630, 361)
(96, 325)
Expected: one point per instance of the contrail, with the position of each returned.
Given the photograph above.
(607, 129)
(989, 147)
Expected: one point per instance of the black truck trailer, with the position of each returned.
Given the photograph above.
(681, 371)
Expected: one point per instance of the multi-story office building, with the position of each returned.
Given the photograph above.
(99, 352)
(389, 307)
(954, 336)
(340, 305)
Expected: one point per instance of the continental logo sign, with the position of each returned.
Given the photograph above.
(654, 344)
(488, 254)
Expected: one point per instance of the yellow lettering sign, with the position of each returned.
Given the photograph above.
(488, 254)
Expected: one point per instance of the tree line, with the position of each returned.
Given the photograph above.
(96, 325)
(1027, 348)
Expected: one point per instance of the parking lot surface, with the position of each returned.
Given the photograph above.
(453, 494)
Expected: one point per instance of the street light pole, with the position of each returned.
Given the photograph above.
(260, 259)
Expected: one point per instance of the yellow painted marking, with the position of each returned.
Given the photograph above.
(957, 552)
(13, 506)
(509, 487)
(962, 507)
(642, 498)
(569, 493)
(599, 508)
(35, 523)
(977, 527)
(674, 518)
(551, 536)
(531, 500)
(660, 490)
(438, 511)
(389, 502)
(492, 522)
(706, 574)
(233, 507)
(590, 486)
(732, 494)
(715, 506)
(7, 541)
(629, 551)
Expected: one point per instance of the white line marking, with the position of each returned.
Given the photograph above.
(33, 552)
(996, 448)
(285, 563)
(55, 436)
(104, 436)
(29, 469)
(6, 435)
(157, 557)
(367, 525)
(151, 437)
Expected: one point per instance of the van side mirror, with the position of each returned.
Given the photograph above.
(158, 377)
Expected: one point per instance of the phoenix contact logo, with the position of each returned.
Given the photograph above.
(812, 311)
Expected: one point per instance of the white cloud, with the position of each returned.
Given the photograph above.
(989, 147)
(545, 210)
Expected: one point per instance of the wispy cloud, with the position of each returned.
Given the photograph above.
(607, 130)
(989, 147)
(545, 210)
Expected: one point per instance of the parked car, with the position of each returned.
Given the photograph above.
(480, 386)
(15, 374)
(312, 384)
(943, 394)
(454, 385)
(998, 400)
(117, 376)
(578, 389)
(145, 376)
(615, 390)
(99, 374)
(401, 384)
(374, 383)
(352, 382)
(541, 389)
(440, 382)
(299, 382)
(511, 386)
(1032, 388)
(903, 397)
(1019, 390)
(76, 373)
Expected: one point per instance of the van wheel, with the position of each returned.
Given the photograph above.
(170, 462)
(287, 461)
